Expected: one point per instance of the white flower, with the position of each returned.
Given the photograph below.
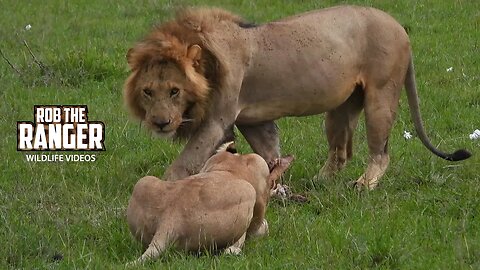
(28, 27)
(450, 69)
(475, 135)
(407, 135)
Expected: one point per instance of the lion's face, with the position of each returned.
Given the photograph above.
(164, 96)
(167, 94)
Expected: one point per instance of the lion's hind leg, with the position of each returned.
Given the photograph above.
(381, 105)
(340, 125)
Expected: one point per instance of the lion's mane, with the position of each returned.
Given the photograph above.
(170, 41)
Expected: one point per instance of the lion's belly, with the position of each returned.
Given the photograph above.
(291, 104)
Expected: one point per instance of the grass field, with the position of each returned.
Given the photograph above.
(425, 214)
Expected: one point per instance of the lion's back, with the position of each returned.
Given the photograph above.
(346, 23)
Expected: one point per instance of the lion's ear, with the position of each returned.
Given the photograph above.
(194, 53)
(129, 58)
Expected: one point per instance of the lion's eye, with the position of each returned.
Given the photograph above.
(147, 92)
(174, 91)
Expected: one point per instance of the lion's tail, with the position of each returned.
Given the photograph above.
(413, 102)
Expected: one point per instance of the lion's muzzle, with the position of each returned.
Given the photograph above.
(161, 123)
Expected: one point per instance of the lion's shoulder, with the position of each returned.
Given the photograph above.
(190, 26)
(206, 19)
(189, 23)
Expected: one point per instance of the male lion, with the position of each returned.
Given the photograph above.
(203, 72)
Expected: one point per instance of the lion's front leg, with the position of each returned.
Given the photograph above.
(264, 140)
(215, 129)
(198, 149)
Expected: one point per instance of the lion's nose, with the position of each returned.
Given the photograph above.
(161, 123)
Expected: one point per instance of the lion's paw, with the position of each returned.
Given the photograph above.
(233, 250)
(363, 184)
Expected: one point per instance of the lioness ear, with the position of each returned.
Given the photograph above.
(129, 59)
(194, 52)
(280, 166)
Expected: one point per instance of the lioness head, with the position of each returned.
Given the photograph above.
(166, 89)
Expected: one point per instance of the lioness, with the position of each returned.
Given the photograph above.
(203, 72)
(215, 209)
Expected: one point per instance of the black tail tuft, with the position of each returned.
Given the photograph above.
(459, 155)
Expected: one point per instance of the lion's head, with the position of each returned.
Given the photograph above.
(164, 90)
(168, 87)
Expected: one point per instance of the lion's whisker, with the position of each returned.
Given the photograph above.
(187, 120)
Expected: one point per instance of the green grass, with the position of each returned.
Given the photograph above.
(424, 215)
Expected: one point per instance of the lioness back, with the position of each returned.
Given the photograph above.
(192, 210)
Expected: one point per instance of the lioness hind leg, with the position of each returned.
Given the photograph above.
(236, 248)
(380, 110)
(340, 125)
(154, 249)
